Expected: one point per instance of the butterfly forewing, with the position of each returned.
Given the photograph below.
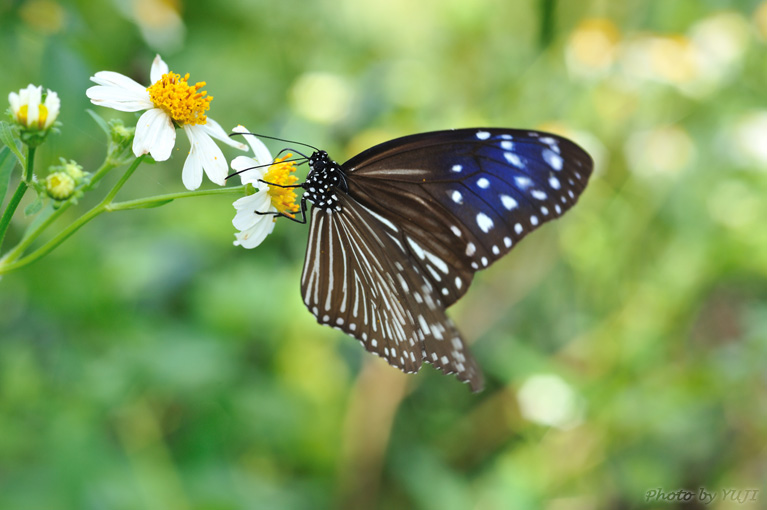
(359, 277)
(462, 199)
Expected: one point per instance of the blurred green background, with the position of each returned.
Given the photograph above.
(149, 364)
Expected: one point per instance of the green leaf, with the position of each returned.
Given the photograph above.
(6, 136)
(7, 163)
(35, 206)
(101, 122)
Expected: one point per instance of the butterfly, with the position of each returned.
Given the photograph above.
(397, 232)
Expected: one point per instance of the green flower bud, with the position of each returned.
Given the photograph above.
(121, 139)
(60, 185)
(74, 170)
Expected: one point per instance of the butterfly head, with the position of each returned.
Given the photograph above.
(325, 180)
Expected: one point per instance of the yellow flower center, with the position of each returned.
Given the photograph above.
(281, 172)
(42, 117)
(22, 117)
(185, 103)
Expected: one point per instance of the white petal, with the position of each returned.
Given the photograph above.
(209, 155)
(33, 104)
(249, 174)
(256, 234)
(191, 175)
(246, 209)
(124, 100)
(155, 135)
(120, 81)
(159, 67)
(53, 104)
(15, 101)
(260, 152)
(215, 130)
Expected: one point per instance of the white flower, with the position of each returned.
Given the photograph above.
(169, 102)
(32, 111)
(254, 227)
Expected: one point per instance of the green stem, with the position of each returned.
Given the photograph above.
(21, 189)
(107, 205)
(142, 203)
(28, 239)
(9, 261)
(101, 172)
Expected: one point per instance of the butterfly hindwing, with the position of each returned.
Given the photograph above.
(359, 277)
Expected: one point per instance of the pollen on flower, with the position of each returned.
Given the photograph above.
(281, 172)
(185, 103)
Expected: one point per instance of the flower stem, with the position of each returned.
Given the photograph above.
(21, 189)
(28, 239)
(142, 203)
(8, 263)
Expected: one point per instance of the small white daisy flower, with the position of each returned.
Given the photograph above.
(254, 227)
(34, 110)
(169, 102)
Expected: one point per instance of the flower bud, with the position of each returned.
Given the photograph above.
(74, 170)
(120, 141)
(59, 185)
(34, 110)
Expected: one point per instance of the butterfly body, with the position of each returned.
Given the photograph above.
(398, 231)
(325, 176)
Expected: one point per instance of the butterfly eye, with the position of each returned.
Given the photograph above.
(398, 231)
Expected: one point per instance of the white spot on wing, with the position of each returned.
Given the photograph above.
(553, 159)
(437, 262)
(457, 197)
(483, 135)
(508, 202)
(484, 222)
(416, 248)
(523, 182)
(483, 183)
(538, 194)
(513, 159)
(457, 168)
(471, 249)
(381, 219)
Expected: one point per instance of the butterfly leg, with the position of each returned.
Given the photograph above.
(302, 221)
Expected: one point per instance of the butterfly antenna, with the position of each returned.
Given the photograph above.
(300, 161)
(289, 149)
(278, 139)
